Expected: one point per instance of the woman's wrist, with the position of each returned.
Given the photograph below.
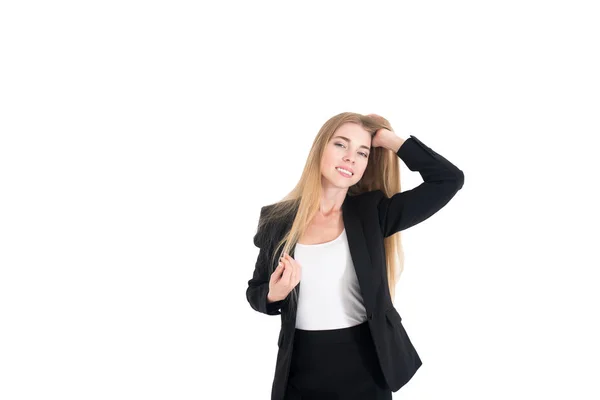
(270, 299)
(395, 143)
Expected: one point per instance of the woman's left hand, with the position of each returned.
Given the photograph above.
(383, 137)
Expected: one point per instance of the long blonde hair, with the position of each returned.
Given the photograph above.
(382, 173)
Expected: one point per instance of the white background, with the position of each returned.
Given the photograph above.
(140, 139)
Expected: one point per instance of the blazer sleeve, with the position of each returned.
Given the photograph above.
(258, 286)
(441, 179)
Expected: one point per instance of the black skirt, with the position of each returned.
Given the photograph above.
(336, 364)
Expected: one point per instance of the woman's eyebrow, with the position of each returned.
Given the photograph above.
(348, 140)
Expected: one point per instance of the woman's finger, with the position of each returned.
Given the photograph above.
(279, 269)
(293, 266)
(295, 274)
(287, 271)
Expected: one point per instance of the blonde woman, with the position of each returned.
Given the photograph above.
(331, 254)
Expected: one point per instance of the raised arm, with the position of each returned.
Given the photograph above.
(258, 286)
(441, 179)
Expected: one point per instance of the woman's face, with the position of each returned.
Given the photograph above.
(348, 149)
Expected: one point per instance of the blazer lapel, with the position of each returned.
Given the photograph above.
(359, 253)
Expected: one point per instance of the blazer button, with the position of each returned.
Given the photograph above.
(369, 315)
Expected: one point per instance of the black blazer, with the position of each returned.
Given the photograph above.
(368, 218)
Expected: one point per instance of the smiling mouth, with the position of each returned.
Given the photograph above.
(344, 173)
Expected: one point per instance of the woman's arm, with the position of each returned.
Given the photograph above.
(258, 286)
(442, 180)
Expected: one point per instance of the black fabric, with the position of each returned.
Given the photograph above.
(336, 364)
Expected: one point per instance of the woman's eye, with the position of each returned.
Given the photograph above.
(363, 154)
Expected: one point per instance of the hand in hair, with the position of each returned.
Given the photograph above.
(385, 138)
(284, 279)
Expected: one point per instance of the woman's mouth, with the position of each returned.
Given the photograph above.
(344, 173)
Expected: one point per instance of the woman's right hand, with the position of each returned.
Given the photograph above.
(284, 279)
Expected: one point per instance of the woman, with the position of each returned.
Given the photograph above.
(337, 231)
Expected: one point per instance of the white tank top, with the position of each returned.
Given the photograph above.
(330, 296)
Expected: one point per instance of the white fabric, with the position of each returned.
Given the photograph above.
(330, 296)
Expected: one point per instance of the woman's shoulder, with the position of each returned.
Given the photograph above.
(366, 198)
(274, 218)
(278, 210)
